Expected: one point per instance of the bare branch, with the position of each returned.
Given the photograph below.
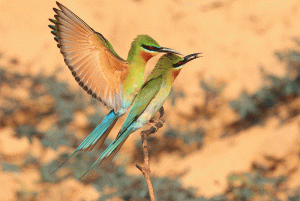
(146, 168)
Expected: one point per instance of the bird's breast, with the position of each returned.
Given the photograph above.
(176, 72)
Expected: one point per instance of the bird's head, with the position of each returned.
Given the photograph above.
(174, 63)
(179, 61)
(149, 47)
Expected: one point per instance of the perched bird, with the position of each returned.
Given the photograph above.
(150, 99)
(100, 70)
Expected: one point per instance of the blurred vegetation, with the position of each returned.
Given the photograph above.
(44, 108)
(275, 92)
(171, 141)
(254, 186)
(50, 98)
(175, 95)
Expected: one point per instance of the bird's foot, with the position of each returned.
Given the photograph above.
(152, 124)
(156, 124)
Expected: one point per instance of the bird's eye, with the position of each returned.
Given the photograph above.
(179, 63)
(150, 47)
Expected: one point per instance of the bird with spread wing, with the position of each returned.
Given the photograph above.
(99, 70)
(149, 100)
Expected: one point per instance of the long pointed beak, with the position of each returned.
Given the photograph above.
(165, 49)
(191, 57)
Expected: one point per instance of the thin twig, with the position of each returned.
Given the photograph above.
(146, 168)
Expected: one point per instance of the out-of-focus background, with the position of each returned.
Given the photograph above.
(232, 119)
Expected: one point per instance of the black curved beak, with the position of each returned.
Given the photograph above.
(191, 57)
(165, 49)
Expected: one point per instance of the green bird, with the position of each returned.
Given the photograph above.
(150, 99)
(101, 72)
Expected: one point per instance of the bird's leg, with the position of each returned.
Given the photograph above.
(156, 123)
(153, 125)
(153, 122)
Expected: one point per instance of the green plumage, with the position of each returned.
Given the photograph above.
(81, 50)
(161, 74)
(147, 92)
(150, 99)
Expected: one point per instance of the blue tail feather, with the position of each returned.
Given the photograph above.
(111, 150)
(99, 132)
(97, 136)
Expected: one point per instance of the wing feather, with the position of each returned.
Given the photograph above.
(148, 91)
(92, 62)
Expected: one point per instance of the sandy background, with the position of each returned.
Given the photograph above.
(236, 38)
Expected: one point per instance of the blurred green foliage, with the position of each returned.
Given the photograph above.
(175, 95)
(276, 90)
(295, 196)
(171, 141)
(212, 88)
(254, 186)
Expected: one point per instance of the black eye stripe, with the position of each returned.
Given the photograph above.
(179, 63)
(150, 48)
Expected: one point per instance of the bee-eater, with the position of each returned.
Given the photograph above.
(149, 100)
(100, 70)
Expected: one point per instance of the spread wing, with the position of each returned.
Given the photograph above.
(90, 57)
